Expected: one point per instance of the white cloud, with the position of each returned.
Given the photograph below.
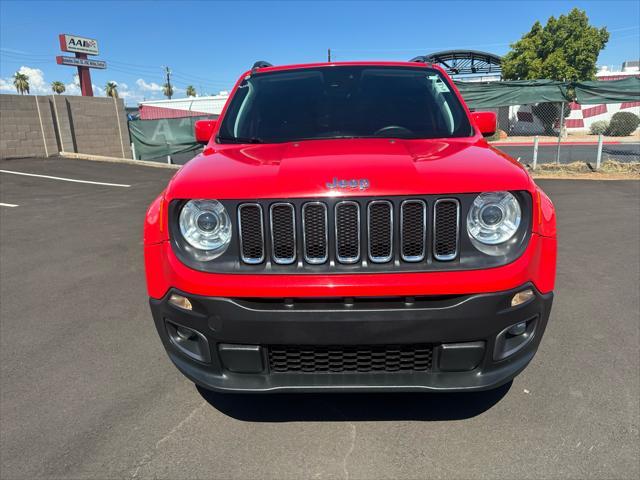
(141, 90)
(72, 89)
(6, 85)
(150, 87)
(36, 81)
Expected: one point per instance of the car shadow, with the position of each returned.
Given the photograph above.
(353, 406)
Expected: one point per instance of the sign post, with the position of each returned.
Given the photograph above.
(82, 47)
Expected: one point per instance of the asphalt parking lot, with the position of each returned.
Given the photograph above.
(88, 392)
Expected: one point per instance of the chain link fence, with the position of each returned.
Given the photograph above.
(563, 133)
(539, 123)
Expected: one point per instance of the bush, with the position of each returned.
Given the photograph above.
(623, 124)
(599, 128)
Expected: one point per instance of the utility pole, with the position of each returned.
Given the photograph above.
(168, 73)
(329, 55)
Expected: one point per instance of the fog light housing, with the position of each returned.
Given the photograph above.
(181, 302)
(518, 329)
(186, 333)
(522, 297)
(189, 341)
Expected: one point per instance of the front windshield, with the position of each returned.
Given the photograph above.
(343, 102)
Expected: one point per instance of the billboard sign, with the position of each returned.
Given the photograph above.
(80, 62)
(73, 43)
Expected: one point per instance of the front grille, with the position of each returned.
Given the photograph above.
(349, 359)
(336, 234)
(347, 220)
(315, 239)
(445, 229)
(283, 233)
(380, 231)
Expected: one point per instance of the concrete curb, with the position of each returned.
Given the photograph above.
(128, 161)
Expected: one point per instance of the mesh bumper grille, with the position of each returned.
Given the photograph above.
(373, 358)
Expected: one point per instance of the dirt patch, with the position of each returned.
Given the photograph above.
(577, 137)
(609, 170)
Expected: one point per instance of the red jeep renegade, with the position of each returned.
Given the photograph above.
(347, 227)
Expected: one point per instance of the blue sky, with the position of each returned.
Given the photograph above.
(209, 44)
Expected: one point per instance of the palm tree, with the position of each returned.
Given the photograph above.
(58, 87)
(167, 89)
(191, 92)
(21, 82)
(111, 89)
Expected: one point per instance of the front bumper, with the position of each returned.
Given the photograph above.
(466, 333)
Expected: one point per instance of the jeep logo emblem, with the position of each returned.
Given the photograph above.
(356, 183)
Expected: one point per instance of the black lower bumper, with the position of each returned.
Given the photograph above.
(465, 337)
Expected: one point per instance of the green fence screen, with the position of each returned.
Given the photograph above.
(155, 139)
(524, 92)
(515, 92)
(613, 91)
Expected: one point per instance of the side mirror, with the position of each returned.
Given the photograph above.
(487, 122)
(204, 129)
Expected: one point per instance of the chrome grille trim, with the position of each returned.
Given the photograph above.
(340, 258)
(325, 257)
(251, 260)
(413, 258)
(380, 259)
(276, 259)
(451, 256)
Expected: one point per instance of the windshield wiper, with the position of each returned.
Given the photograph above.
(240, 140)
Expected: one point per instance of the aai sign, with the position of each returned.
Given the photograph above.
(73, 43)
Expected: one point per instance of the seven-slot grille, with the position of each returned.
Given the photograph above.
(341, 358)
(337, 232)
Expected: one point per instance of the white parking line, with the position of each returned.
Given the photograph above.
(66, 179)
(8, 205)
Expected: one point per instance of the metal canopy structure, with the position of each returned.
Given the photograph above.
(464, 62)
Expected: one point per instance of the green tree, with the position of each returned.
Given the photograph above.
(58, 87)
(111, 89)
(21, 82)
(191, 91)
(167, 89)
(566, 48)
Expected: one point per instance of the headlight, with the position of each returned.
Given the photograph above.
(493, 219)
(206, 226)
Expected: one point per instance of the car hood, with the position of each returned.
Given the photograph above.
(380, 167)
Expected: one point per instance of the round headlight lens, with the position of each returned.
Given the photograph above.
(493, 218)
(206, 226)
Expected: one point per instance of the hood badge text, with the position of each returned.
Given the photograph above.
(356, 183)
